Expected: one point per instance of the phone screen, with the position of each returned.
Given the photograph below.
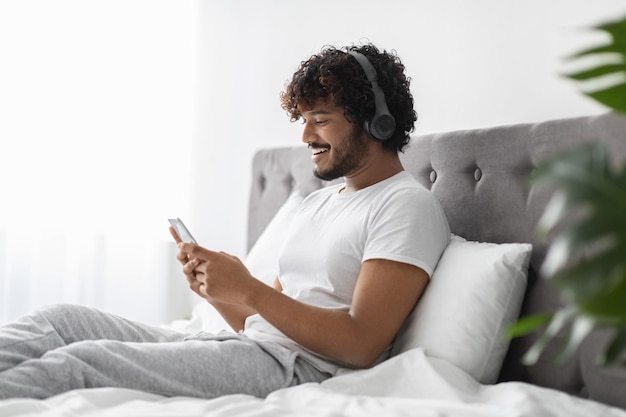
(181, 230)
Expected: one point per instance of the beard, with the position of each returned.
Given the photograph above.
(344, 158)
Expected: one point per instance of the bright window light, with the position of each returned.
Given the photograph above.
(96, 110)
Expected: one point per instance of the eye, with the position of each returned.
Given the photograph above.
(321, 122)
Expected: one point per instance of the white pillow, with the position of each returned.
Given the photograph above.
(475, 293)
(262, 259)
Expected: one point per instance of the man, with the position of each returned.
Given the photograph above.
(357, 259)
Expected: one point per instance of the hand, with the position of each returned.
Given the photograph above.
(189, 264)
(215, 276)
(220, 276)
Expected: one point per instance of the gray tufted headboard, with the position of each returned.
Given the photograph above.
(481, 177)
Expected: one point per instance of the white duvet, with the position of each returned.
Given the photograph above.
(410, 384)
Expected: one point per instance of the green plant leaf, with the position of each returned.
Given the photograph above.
(581, 327)
(556, 207)
(613, 96)
(528, 324)
(558, 255)
(584, 176)
(615, 349)
(607, 305)
(616, 29)
(589, 278)
(557, 322)
(595, 228)
(597, 72)
(603, 49)
(567, 169)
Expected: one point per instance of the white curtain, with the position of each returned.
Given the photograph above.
(96, 135)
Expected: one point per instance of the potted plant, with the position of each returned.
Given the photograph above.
(587, 261)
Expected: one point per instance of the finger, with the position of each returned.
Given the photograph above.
(197, 251)
(199, 285)
(203, 291)
(175, 235)
(196, 287)
(189, 266)
(182, 257)
(193, 281)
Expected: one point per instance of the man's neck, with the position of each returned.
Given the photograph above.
(380, 165)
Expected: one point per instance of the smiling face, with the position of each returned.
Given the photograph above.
(339, 148)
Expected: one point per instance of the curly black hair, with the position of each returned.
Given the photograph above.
(334, 76)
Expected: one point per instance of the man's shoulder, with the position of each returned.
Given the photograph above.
(404, 183)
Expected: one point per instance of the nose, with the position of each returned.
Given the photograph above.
(307, 133)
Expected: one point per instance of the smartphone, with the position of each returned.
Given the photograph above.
(181, 230)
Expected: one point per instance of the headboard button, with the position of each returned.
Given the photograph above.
(433, 176)
(478, 174)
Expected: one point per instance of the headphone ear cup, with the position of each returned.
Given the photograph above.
(382, 126)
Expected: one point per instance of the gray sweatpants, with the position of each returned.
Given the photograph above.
(63, 347)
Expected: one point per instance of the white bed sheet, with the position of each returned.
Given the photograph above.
(410, 384)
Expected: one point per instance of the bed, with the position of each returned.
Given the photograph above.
(451, 358)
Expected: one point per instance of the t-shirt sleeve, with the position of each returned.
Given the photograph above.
(408, 226)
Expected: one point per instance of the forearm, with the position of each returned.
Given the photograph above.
(328, 332)
(234, 314)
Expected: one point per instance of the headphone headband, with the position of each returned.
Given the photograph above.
(382, 126)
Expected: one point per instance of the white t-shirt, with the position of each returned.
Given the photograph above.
(333, 233)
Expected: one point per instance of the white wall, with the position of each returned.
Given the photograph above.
(96, 102)
(473, 64)
(96, 124)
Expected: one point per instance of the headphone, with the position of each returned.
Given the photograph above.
(383, 125)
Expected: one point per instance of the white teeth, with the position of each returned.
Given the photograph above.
(319, 151)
